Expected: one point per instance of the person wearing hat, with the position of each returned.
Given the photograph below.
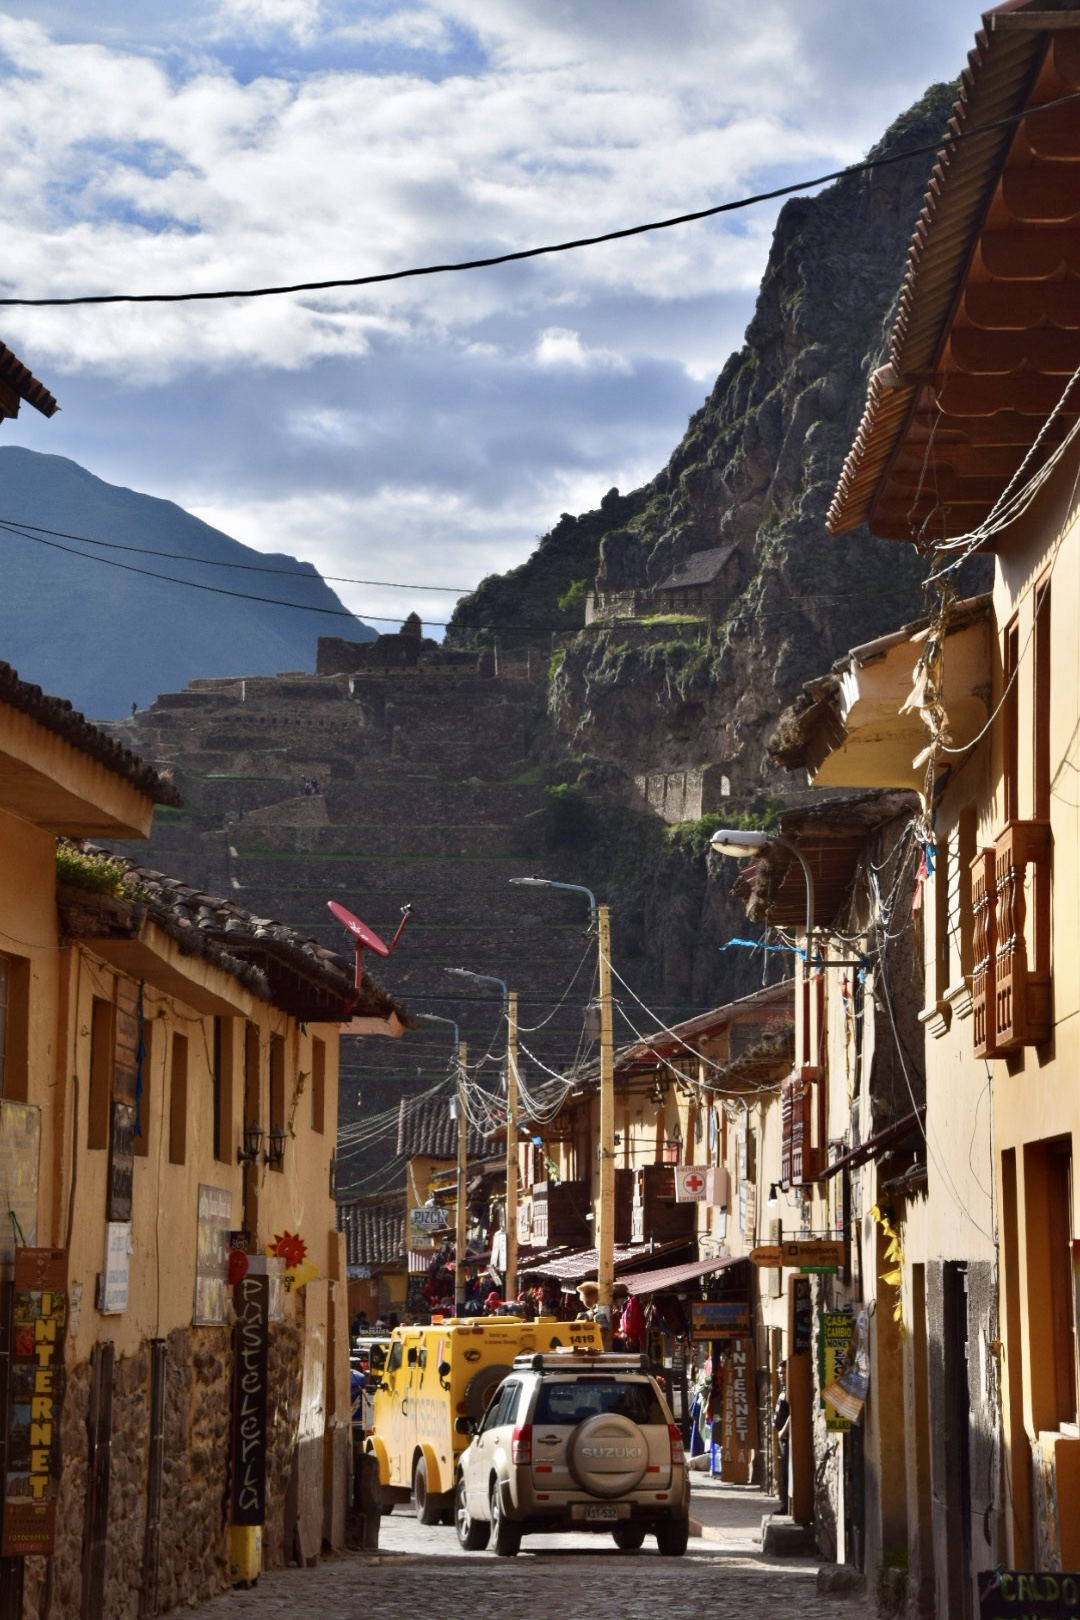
(493, 1303)
(589, 1295)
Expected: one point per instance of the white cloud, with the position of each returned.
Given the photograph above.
(562, 346)
(264, 18)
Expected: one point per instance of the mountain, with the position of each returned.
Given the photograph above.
(750, 483)
(105, 635)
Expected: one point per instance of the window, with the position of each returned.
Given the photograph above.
(14, 1028)
(597, 1397)
(1050, 1301)
(503, 1406)
(145, 1103)
(1041, 704)
(252, 1077)
(277, 1089)
(961, 923)
(178, 1098)
(396, 1356)
(99, 1107)
(318, 1085)
(223, 1089)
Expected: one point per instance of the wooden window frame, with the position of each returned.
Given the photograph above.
(318, 1085)
(102, 1060)
(178, 1100)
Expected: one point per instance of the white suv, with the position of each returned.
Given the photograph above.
(573, 1441)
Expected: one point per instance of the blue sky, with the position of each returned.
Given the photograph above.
(430, 431)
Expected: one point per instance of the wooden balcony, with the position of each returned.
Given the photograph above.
(1012, 995)
(801, 1162)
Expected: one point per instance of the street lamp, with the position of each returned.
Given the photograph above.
(605, 1235)
(740, 841)
(510, 1006)
(460, 1236)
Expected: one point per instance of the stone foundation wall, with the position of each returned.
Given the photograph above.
(193, 1551)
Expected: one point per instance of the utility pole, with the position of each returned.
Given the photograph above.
(605, 1232)
(510, 1289)
(605, 1236)
(460, 1235)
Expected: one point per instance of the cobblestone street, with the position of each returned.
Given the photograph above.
(421, 1571)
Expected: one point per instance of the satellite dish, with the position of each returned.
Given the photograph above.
(365, 936)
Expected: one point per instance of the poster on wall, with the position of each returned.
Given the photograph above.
(738, 1421)
(212, 1233)
(35, 1393)
(113, 1281)
(20, 1144)
(834, 1338)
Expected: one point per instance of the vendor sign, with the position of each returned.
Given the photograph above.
(719, 1319)
(1010, 1594)
(35, 1394)
(423, 1225)
(834, 1338)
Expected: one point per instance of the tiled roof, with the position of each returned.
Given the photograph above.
(426, 1129)
(26, 386)
(58, 716)
(290, 970)
(700, 569)
(374, 1231)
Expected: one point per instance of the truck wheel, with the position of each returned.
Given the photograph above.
(473, 1534)
(505, 1534)
(425, 1506)
(672, 1536)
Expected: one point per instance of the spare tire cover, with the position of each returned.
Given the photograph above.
(607, 1455)
(481, 1387)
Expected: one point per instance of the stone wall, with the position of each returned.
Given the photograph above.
(193, 1559)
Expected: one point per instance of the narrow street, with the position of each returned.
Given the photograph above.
(425, 1569)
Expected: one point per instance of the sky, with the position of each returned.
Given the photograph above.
(424, 433)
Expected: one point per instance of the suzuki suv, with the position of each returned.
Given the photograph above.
(573, 1441)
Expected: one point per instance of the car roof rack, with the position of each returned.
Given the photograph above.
(575, 1359)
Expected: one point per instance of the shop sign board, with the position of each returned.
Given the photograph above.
(834, 1338)
(691, 1183)
(719, 1319)
(1009, 1594)
(35, 1394)
(808, 1255)
(770, 1255)
(738, 1414)
(423, 1224)
(251, 1354)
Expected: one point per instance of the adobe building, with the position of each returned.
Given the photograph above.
(168, 1109)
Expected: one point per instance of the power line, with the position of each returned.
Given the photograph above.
(346, 613)
(949, 139)
(19, 524)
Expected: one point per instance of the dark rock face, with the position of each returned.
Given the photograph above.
(756, 468)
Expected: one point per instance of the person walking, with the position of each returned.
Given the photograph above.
(782, 1427)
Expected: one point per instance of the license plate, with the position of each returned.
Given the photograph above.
(601, 1515)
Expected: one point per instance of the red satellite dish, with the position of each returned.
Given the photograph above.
(365, 936)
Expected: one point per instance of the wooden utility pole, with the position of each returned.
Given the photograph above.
(460, 1235)
(511, 1288)
(605, 1236)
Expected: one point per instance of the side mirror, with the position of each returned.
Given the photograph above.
(378, 1357)
(444, 1369)
(464, 1425)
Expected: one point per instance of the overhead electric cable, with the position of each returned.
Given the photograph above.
(949, 139)
(19, 524)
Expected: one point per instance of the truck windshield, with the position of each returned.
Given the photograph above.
(574, 1402)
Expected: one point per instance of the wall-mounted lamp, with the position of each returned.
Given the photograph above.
(249, 1153)
(275, 1153)
(774, 1195)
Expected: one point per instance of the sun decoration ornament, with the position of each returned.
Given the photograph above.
(290, 1247)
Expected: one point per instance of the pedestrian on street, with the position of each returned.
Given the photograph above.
(782, 1426)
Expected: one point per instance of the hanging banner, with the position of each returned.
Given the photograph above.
(834, 1338)
(35, 1394)
(691, 1184)
(251, 1352)
(738, 1419)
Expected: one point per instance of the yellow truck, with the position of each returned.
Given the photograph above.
(434, 1375)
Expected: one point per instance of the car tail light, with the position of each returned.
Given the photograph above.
(675, 1440)
(521, 1445)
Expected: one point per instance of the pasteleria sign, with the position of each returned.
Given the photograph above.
(770, 1255)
